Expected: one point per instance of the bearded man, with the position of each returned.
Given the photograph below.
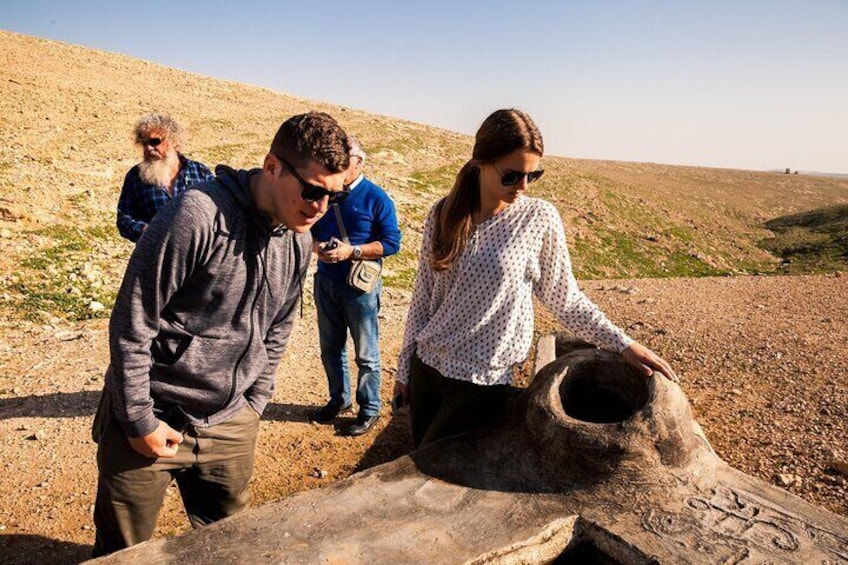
(163, 174)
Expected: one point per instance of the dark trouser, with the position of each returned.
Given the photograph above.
(441, 406)
(212, 468)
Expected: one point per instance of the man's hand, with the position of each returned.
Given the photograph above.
(162, 442)
(647, 361)
(341, 252)
(402, 390)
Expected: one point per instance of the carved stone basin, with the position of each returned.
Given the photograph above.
(595, 464)
(603, 393)
(597, 414)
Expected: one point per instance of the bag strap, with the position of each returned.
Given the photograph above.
(341, 223)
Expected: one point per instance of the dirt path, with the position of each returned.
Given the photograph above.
(763, 361)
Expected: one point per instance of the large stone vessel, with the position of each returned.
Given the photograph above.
(596, 464)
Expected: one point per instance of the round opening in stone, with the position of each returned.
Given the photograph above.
(603, 392)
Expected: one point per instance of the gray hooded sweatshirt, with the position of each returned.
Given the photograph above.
(205, 308)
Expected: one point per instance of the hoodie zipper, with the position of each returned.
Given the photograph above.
(234, 377)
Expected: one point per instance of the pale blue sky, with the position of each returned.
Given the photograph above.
(746, 84)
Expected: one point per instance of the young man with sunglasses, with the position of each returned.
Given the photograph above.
(371, 226)
(163, 174)
(201, 320)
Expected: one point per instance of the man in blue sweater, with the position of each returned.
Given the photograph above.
(371, 224)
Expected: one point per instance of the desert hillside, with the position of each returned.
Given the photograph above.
(65, 145)
(762, 358)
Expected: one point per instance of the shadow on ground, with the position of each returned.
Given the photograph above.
(278, 412)
(390, 443)
(394, 440)
(23, 549)
(55, 405)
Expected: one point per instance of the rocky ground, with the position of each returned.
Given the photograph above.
(762, 359)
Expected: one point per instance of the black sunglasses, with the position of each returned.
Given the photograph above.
(151, 141)
(312, 192)
(512, 178)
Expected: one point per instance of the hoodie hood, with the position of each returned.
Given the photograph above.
(237, 183)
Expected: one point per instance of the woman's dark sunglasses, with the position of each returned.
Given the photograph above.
(512, 178)
(311, 192)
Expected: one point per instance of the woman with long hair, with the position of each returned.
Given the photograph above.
(487, 250)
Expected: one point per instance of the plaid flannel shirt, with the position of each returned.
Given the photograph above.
(140, 201)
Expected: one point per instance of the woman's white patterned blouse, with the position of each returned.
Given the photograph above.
(474, 321)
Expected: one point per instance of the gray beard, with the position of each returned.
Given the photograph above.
(158, 172)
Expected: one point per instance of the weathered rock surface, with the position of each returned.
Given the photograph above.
(595, 462)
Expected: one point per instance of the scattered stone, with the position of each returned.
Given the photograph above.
(39, 435)
(785, 479)
(96, 306)
(835, 480)
(319, 473)
(67, 335)
(837, 461)
(625, 289)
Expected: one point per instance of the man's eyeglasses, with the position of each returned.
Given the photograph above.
(512, 178)
(151, 141)
(312, 192)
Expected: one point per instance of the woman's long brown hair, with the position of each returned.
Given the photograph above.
(503, 132)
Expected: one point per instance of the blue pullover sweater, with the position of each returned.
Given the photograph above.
(369, 215)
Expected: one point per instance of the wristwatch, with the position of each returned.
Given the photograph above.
(357, 252)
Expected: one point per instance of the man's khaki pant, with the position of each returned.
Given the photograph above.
(212, 468)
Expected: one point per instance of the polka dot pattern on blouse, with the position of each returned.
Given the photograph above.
(474, 321)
